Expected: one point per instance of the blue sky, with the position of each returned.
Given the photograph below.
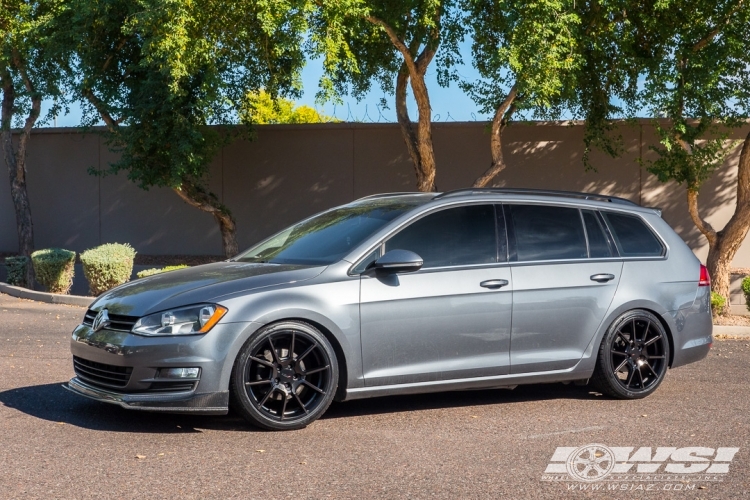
(448, 104)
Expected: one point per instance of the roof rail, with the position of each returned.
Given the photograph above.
(385, 195)
(542, 192)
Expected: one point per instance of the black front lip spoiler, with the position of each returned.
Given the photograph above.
(212, 403)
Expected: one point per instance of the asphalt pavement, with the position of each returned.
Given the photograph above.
(472, 444)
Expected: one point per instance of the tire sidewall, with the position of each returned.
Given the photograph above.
(605, 358)
(242, 401)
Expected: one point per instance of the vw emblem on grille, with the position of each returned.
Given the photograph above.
(101, 320)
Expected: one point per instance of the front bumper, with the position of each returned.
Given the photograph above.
(212, 403)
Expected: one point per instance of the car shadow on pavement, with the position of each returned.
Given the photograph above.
(457, 399)
(53, 403)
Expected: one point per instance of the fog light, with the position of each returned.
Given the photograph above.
(179, 372)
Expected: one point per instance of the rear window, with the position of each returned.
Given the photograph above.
(632, 236)
(547, 233)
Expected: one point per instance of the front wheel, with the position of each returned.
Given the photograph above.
(285, 376)
(633, 357)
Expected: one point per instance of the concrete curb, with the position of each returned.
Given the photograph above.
(50, 298)
(742, 332)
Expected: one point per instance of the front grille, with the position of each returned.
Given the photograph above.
(118, 322)
(101, 374)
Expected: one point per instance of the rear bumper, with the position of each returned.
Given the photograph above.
(211, 403)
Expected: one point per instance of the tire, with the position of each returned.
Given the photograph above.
(633, 356)
(285, 376)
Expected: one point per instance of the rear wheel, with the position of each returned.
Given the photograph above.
(633, 357)
(285, 376)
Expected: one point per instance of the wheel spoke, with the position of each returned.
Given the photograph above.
(635, 336)
(291, 349)
(301, 404)
(656, 357)
(621, 366)
(622, 336)
(640, 376)
(630, 378)
(273, 351)
(258, 382)
(316, 370)
(645, 332)
(619, 353)
(311, 386)
(265, 398)
(308, 351)
(283, 408)
(651, 369)
(652, 341)
(262, 362)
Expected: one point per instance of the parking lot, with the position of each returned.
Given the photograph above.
(480, 444)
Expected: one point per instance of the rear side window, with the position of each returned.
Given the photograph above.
(453, 237)
(546, 233)
(632, 237)
(598, 244)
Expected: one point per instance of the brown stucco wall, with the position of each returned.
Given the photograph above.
(291, 171)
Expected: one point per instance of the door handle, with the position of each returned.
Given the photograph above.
(492, 284)
(602, 278)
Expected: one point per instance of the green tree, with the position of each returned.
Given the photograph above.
(697, 75)
(365, 41)
(29, 73)
(527, 54)
(159, 72)
(262, 109)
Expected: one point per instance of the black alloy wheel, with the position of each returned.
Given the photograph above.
(285, 376)
(633, 357)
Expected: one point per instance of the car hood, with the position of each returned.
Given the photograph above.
(198, 284)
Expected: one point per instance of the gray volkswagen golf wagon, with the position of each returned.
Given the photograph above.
(406, 293)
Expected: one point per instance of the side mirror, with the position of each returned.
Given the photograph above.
(398, 261)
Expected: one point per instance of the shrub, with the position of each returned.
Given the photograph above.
(107, 266)
(16, 267)
(151, 272)
(54, 268)
(746, 290)
(717, 303)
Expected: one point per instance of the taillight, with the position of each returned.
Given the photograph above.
(705, 279)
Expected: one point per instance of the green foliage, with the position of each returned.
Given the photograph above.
(16, 267)
(262, 108)
(54, 269)
(165, 69)
(717, 302)
(746, 290)
(150, 272)
(532, 45)
(107, 266)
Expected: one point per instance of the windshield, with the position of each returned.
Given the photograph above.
(327, 237)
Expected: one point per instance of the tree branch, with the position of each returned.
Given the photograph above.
(111, 123)
(713, 33)
(703, 226)
(397, 42)
(502, 116)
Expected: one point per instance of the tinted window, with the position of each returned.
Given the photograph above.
(547, 233)
(452, 237)
(632, 237)
(327, 237)
(598, 246)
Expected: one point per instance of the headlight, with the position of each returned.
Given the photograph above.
(183, 321)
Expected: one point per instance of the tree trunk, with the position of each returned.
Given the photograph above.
(402, 114)
(16, 162)
(723, 245)
(427, 168)
(499, 122)
(196, 196)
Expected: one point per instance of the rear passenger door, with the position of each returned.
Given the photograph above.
(565, 272)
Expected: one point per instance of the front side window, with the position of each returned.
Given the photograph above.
(632, 237)
(327, 237)
(452, 237)
(546, 233)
